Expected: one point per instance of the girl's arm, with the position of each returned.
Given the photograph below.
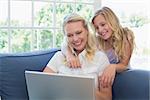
(72, 59)
(129, 45)
(109, 73)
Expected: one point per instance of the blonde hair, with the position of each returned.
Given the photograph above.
(119, 33)
(91, 43)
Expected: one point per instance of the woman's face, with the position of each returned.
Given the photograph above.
(77, 35)
(102, 27)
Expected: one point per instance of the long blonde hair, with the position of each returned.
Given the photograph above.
(119, 33)
(91, 43)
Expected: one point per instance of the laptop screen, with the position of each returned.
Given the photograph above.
(44, 86)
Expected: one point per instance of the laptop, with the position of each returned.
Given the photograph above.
(54, 86)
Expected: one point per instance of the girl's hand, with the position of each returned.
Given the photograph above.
(108, 76)
(73, 61)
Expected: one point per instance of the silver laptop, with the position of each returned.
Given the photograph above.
(44, 86)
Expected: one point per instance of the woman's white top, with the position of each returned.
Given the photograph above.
(94, 67)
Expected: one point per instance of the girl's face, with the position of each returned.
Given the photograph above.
(77, 35)
(102, 27)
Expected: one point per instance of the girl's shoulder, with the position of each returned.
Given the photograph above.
(129, 33)
(128, 36)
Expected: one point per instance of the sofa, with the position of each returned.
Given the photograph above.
(128, 85)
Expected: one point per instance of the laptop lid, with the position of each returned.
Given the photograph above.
(44, 86)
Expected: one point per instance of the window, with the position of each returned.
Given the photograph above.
(135, 15)
(27, 25)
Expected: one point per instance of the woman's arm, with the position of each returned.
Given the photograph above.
(54, 63)
(48, 70)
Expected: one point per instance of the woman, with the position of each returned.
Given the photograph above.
(82, 44)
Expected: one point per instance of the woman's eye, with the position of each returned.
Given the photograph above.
(69, 35)
(79, 32)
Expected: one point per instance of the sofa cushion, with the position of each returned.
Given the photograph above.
(12, 68)
(132, 85)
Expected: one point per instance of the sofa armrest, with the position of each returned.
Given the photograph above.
(132, 85)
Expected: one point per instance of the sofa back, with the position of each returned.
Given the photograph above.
(12, 68)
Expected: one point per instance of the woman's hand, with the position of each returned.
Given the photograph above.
(73, 61)
(108, 76)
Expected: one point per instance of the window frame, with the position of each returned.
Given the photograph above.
(33, 27)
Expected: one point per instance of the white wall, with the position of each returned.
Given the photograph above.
(97, 4)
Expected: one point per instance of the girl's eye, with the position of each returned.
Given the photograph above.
(102, 24)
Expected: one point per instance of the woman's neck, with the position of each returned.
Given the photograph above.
(78, 51)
